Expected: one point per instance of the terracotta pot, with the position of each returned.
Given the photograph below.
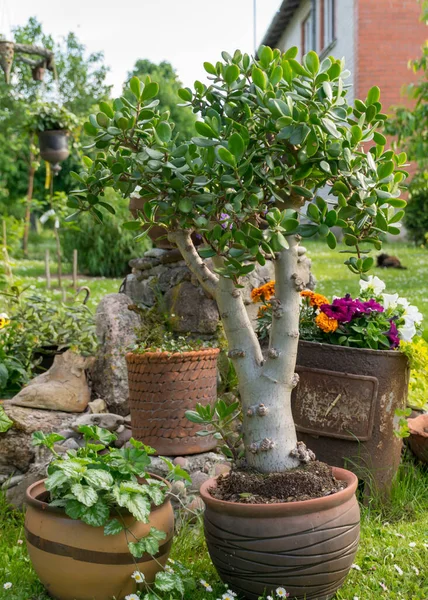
(418, 439)
(7, 51)
(344, 408)
(53, 145)
(157, 234)
(162, 386)
(77, 562)
(305, 547)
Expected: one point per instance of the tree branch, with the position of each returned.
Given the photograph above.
(208, 280)
(37, 50)
(291, 277)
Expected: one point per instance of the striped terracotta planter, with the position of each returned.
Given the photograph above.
(162, 386)
(306, 547)
(77, 562)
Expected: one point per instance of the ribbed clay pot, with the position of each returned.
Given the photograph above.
(54, 145)
(306, 547)
(344, 408)
(418, 439)
(77, 562)
(162, 386)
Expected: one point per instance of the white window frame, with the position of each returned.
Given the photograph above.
(329, 24)
(308, 33)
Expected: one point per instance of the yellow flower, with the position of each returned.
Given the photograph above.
(4, 320)
(264, 292)
(326, 324)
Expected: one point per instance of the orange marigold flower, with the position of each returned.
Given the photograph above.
(316, 300)
(262, 310)
(326, 324)
(264, 292)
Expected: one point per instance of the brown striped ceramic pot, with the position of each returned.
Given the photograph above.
(305, 547)
(162, 387)
(77, 562)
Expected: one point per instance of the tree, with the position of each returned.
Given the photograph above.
(169, 85)
(273, 133)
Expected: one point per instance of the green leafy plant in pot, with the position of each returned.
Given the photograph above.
(273, 133)
(53, 124)
(100, 523)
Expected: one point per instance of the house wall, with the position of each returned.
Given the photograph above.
(292, 36)
(389, 35)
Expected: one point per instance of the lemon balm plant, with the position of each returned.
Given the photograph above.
(273, 134)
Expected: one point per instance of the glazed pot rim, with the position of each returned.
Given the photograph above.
(282, 508)
(34, 502)
(174, 356)
(338, 348)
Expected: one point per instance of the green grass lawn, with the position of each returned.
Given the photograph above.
(393, 551)
(335, 279)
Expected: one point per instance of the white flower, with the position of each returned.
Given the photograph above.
(383, 586)
(412, 544)
(139, 577)
(398, 569)
(416, 570)
(269, 598)
(233, 594)
(227, 596)
(407, 332)
(19, 542)
(400, 535)
(4, 316)
(132, 597)
(390, 300)
(374, 285)
(206, 585)
(7, 585)
(281, 593)
(356, 567)
(169, 569)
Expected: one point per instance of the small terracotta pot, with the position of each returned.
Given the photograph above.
(162, 386)
(53, 145)
(306, 547)
(77, 562)
(418, 439)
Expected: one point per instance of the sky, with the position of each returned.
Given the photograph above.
(184, 32)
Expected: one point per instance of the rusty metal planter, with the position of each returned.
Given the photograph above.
(344, 408)
(162, 386)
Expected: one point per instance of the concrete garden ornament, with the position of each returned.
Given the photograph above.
(272, 133)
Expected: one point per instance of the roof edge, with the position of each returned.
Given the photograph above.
(279, 22)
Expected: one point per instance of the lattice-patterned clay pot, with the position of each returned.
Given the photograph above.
(162, 386)
(7, 51)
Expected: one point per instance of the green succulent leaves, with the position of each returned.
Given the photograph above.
(271, 133)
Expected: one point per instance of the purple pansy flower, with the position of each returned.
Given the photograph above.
(345, 309)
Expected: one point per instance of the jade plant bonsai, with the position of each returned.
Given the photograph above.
(278, 155)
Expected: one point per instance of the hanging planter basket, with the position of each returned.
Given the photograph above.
(53, 145)
(7, 51)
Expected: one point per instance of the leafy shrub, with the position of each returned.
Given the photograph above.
(417, 353)
(416, 214)
(103, 250)
(48, 116)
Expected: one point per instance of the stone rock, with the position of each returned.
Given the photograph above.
(179, 489)
(108, 421)
(182, 461)
(12, 481)
(16, 494)
(221, 469)
(63, 387)
(172, 277)
(171, 256)
(198, 478)
(122, 437)
(193, 311)
(16, 449)
(139, 292)
(70, 444)
(155, 253)
(127, 420)
(116, 326)
(143, 264)
(97, 406)
(196, 504)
